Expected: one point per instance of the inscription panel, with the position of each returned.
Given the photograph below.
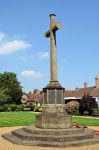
(59, 97)
(51, 96)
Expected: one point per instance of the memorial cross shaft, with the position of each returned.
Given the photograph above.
(53, 58)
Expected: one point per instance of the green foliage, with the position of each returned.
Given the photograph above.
(11, 107)
(4, 98)
(72, 108)
(9, 83)
(6, 107)
(20, 107)
(96, 111)
(37, 108)
(1, 108)
(40, 109)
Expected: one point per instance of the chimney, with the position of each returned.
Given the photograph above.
(97, 81)
(85, 84)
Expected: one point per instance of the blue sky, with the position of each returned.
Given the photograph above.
(25, 51)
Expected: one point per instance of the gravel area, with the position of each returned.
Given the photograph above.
(6, 145)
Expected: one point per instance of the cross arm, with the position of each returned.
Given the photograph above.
(53, 28)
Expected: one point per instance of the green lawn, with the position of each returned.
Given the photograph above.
(86, 121)
(28, 118)
(16, 118)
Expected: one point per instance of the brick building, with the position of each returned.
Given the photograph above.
(86, 90)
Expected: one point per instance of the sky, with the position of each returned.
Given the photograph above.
(26, 51)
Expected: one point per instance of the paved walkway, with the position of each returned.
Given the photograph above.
(6, 145)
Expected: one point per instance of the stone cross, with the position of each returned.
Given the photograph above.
(53, 59)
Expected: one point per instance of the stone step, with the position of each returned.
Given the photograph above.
(87, 134)
(17, 140)
(67, 131)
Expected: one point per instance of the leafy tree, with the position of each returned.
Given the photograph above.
(87, 103)
(4, 98)
(9, 83)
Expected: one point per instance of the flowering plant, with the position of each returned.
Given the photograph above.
(78, 125)
(96, 132)
(72, 108)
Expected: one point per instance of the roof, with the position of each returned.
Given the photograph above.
(31, 97)
(92, 91)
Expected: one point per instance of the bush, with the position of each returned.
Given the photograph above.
(13, 107)
(29, 107)
(1, 108)
(87, 103)
(7, 107)
(19, 107)
(96, 111)
(38, 109)
(72, 108)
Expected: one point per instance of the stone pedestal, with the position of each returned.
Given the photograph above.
(53, 114)
(53, 117)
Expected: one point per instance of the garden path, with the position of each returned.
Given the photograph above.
(6, 145)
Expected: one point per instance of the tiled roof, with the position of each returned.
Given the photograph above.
(92, 91)
(34, 97)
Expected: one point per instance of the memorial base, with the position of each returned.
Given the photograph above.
(53, 117)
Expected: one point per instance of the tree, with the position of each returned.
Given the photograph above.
(4, 98)
(87, 103)
(9, 83)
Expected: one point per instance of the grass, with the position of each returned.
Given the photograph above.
(16, 118)
(86, 121)
(28, 118)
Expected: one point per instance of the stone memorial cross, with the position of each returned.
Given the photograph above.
(53, 92)
(52, 34)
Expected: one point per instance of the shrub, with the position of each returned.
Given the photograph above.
(7, 107)
(19, 107)
(38, 109)
(13, 107)
(87, 103)
(1, 108)
(29, 107)
(72, 108)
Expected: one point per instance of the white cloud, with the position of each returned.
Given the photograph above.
(9, 46)
(31, 74)
(43, 54)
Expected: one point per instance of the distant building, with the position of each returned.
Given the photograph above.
(34, 97)
(79, 92)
